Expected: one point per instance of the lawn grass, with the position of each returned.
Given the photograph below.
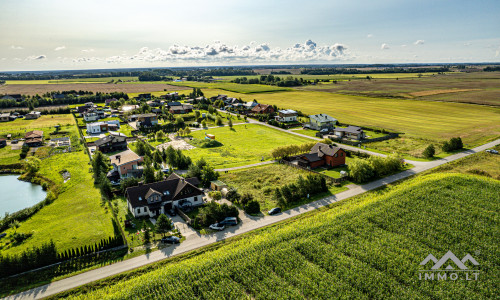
(155, 142)
(45, 123)
(242, 145)
(233, 87)
(261, 182)
(369, 246)
(76, 218)
(9, 156)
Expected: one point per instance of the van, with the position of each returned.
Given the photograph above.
(229, 221)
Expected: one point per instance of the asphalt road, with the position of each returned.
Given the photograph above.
(197, 240)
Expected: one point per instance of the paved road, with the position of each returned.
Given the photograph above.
(196, 240)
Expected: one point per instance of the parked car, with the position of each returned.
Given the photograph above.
(492, 151)
(324, 130)
(229, 221)
(171, 240)
(274, 211)
(14, 142)
(217, 226)
(171, 212)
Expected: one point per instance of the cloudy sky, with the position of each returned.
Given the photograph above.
(53, 34)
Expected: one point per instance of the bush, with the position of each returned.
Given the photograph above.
(216, 195)
(233, 195)
(429, 151)
(214, 212)
(252, 207)
(453, 144)
(246, 198)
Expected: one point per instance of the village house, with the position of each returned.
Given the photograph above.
(322, 121)
(263, 109)
(97, 127)
(250, 105)
(153, 199)
(146, 120)
(125, 164)
(107, 102)
(111, 143)
(33, 138)
(32, 115)
(13, 97)
(84, 108)
(286, 115)
(173, 103)
(182, 109)
(90, 116)
(350, 132)
(5, 117)
(145, 96)
(323, 155)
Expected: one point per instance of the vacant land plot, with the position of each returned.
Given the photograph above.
(233, 87)
(33, 89)
(475, 88)
(261, 182)
(45, 123)
(368, 247)
(76, 218)
(242, 145)
(9, 156)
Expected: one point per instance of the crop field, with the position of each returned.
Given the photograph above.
(475, 88)
(261, 182)
(368, 247)
(77, 217)
(333, 76)
(233, 87)
(35, 88)
(242, 145)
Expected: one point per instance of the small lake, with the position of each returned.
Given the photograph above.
(16, 194)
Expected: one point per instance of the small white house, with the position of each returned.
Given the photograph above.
(97, 127)
(287, 115)
(90, 116)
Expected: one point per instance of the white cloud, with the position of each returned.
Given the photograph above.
(419, 42)
(16, 47)
(36, 57)
(467, 44)
(87, 50)
(369, 35)
(404, 46)
(60, 48)
(384, 47)
(220, 52)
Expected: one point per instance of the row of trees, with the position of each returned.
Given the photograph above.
(303, 187)
(272, 80)
(286, 151)
(452, 145)
(363, 170)
(329, 71)
(250, 205)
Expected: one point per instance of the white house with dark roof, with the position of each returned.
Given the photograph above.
(350, 132)
(151, 200)
(286, 115)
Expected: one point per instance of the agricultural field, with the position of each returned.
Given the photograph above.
(76, 218)
(242, 145)
(366, 247)
(261, 182)
(233, 87)
(475, 88)
(45, 123)
(334, 76)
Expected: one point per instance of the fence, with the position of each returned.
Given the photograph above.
(184, 216)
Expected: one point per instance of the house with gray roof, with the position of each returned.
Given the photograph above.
(350, 132)
(286, 115)
(322, 121)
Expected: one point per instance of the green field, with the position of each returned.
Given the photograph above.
(242, 145)
(333, 76)
(77, 217)
(368, 247)
(232, 87)
(9, 156)
(76, 80)
(261, 182)
(45, 123)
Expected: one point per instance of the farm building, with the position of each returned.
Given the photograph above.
(323, 155)
(33, 138)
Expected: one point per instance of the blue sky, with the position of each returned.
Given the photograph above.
(40, 35)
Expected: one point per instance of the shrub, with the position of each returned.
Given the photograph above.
(216, 195)
(252, 207)
(429, 151)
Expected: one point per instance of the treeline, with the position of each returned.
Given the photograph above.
(492, 69)
(298, 190)
(70, 97)
(285, 151)
(273, 80)
(363, 170)
(47, 254)
(328, 71)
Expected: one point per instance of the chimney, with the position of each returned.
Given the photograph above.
(118, 157)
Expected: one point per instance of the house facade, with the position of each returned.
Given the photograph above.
(97, 127)
(323, 155)
(263, 109)
(181, 109)
(32, 115)
(287, 115)
(111, 143)
(33, 138)
(322, 121)
(90, 116)
(153, 199)
(350, 132)
(146, 120)
(125, 164)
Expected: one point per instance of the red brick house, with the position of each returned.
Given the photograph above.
(323, 155)
(263, 109)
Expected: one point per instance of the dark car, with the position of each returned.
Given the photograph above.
(274, 211)
(229, 221)
(172, 212)
(171, 240)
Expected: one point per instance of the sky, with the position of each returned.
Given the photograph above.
(57, 35)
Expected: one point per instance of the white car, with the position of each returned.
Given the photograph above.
(217, 227)
(492, 151)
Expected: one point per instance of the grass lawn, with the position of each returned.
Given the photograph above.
(308, 132)
(261, 182)
(77, 217)
(126, 130)
(242, 145)
(45, 123)
(9, 156)
(333, 172)
(155, 142)
(233, 87)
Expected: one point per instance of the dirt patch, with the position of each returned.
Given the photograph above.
(33, 89)
(176, 143)
(437, 92)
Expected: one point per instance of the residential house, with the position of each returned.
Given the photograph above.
(5, 117)
(323, 155)
(263, 109)
(58, 96)
(146, 120)
(218, 97)
(32, 115)
(153, 199)
(250, 105)
(322, 121)
(173, 103)
(286, 115)
(33, 138)
(171, 96)
(183, 109)
(3, 143)
(97, 127)
(145, 96)
(350, 132)
(14, 97)
(84, 108)
(111, 143)
(90, 116)
(107, 102)
(125, 164)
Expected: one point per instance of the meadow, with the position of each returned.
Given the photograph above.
(233, 87)
(45, 123)
(261, 182)
(333, 76)
(367, 247)
(76, 218)
(242, 145)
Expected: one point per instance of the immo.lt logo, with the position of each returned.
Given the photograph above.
(449, 267)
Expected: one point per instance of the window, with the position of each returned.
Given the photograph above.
(336, 155)
(341, 154)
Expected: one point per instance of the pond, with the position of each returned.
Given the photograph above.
(16, 194)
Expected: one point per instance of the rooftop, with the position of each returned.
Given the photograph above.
(124, 157)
